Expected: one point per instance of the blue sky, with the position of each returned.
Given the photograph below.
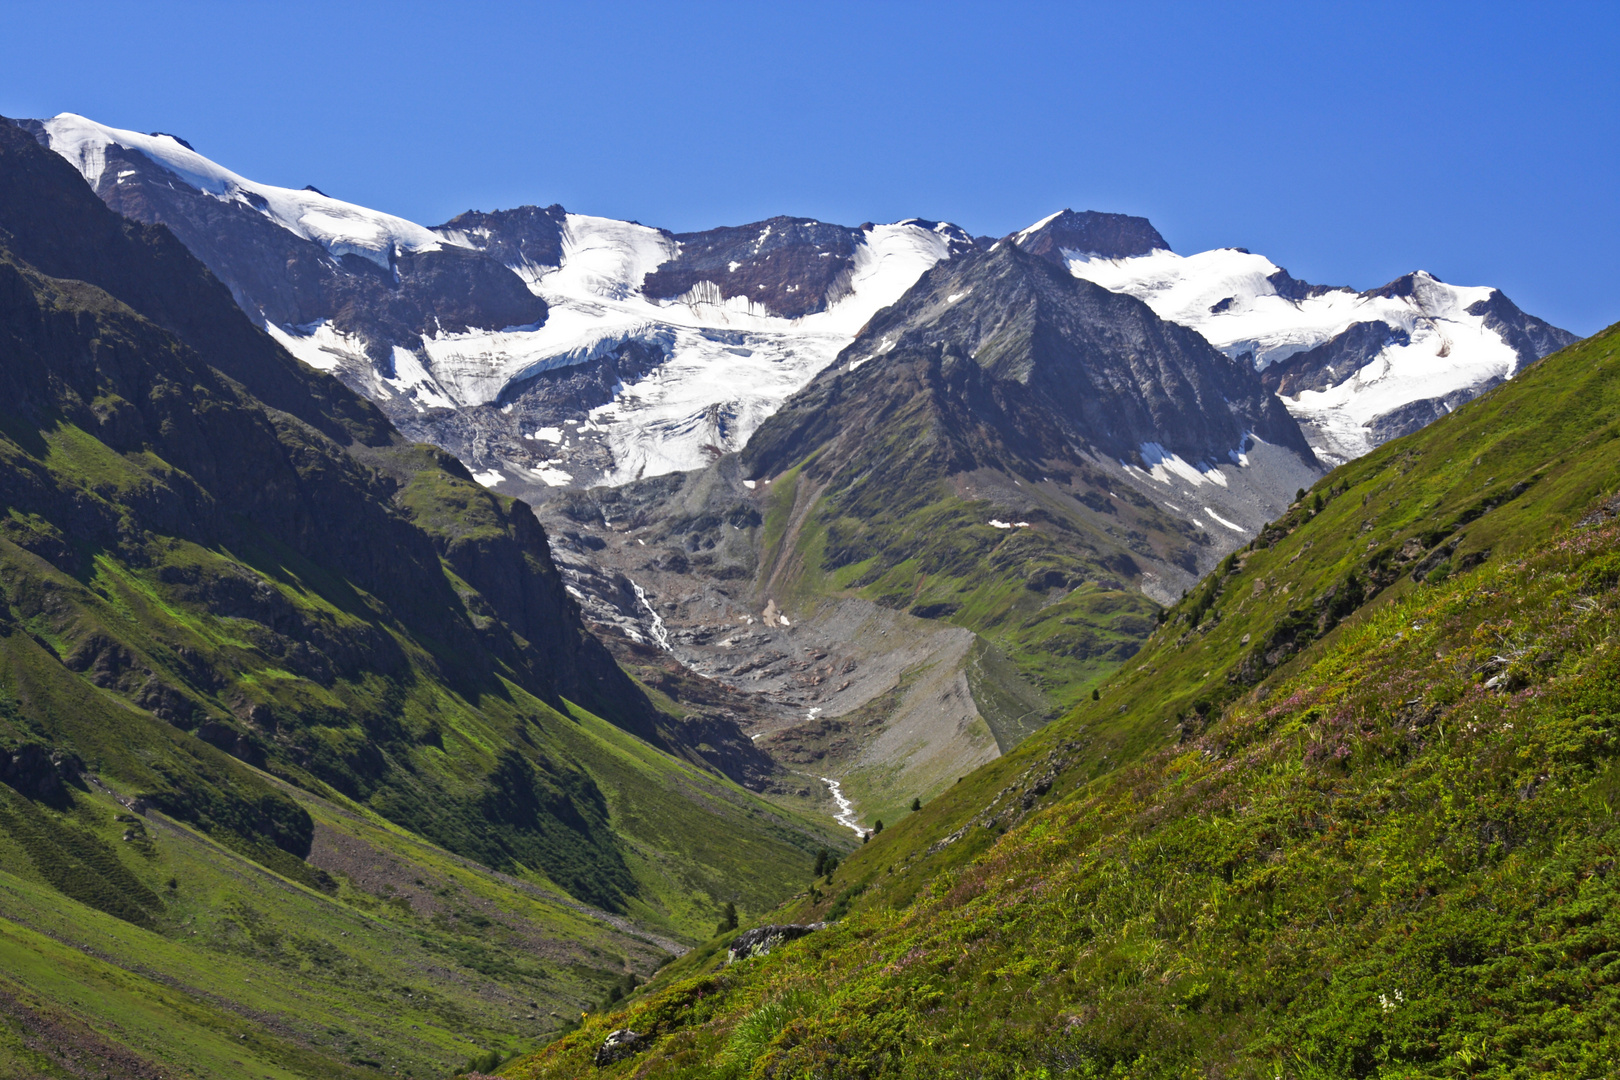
(1349, 143)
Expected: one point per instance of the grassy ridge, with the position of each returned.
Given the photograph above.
(1317, 828)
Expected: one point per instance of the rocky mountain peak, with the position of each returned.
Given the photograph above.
(1100, 235)
(526, 237)
(1110, 373)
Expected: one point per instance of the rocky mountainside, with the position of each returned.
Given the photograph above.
(1349, 812)
(1061, 365)
(249, 632)
(657, 354)
(1355, 368)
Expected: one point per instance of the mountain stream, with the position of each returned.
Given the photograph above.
(846, 809)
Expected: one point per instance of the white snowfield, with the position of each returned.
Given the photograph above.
(1226, 296)
(729, 363)
(341, 228)
(730, 366)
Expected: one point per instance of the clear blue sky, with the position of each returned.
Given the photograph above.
(1348, 142)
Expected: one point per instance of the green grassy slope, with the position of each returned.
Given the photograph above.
(238, 633)
(160, 655)
(1319, 827)
(376, 947)
(1053, 597)
(404, 957)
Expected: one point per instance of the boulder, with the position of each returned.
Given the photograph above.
(618, 1046)
(762, 939)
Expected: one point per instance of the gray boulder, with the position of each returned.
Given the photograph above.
(762, 939)
(618, 1046)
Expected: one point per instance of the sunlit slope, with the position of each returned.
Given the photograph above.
(136, 945)
(1319, 827)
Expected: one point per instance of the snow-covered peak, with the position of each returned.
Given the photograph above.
(1025, 234)
(1355, 368)
(1245, 303)
(340, 227)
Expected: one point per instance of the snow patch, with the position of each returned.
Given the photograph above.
(319, 346)
(1162, 465)
(660, 632)
(1035, 228)
(412, 380)
(1222, 521)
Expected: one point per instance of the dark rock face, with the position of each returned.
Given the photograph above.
(40, 773)
(788, 265)
(762, 939)
(1290, 287)
(1334, 361)
(792, 266)
(1019, 360)
(529, 236)
(1530, 337)
(618, 1046)
(1109, 236)
(277, 276)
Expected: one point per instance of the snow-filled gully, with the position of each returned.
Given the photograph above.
(660, 632)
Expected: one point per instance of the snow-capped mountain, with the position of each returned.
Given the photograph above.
(551, 349)
(543, 348)
(1355, 368)
(1001, 367)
